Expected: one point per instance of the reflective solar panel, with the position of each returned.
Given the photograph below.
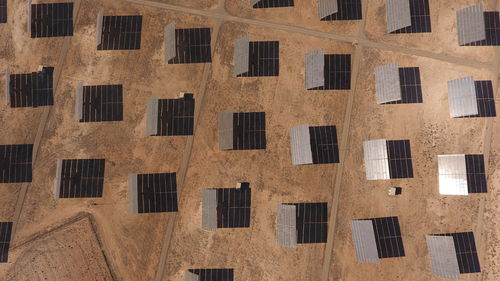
(249, 130)
(263, 59)
(176, 116)
(465, 247)
(32, 89)
(192, 46)
(3, 11)
(80, 178)
(420, 18)
(476, 174)
(233, 207)
(5, 236)
(212, 274)
(388, 237)
(273, 3)
(311, 222)
(121, 33)
(470, 24)
(324, 145)
(156, 193)
(347, 10)
(400, 164)
(411, 87)
(337, 72)
(16, 163)
(102, 103)
(492, 27)
(51, 20)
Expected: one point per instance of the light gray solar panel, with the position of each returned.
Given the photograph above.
(253, 2)
(152, 117)
(398, 14)
(443, 256)
(301, 145)
(98, 29)
(132, 194)
(327, 8)
(209, 210)
(29, 17)
(241, 56)
(287, 226)
(363, 237)
(57, 182)
(79, 101)
(452, 174)
(315, 69)
(190, 276)
(7, 86)
(387, 82)
(376, 159)
(470, 24)
(169, 42)
(462, 97)
(226, 129)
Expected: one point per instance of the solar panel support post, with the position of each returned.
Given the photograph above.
(100, 17)
(152, 117)
(132, 194)
(79, 101)
(169, 42)
(29, 17)
(7, 86)
(57, 183)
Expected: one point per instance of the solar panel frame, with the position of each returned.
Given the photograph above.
(466, 251)
(263, 58)
(452, 174)
(411, 86)
(324, 144)
(272, 4)
(32, 89)
(399, 158)
(233, 207)
(311, 222)
(286, 226)
(16, 163)
(121, 33)
(420, 18)
(102, 103)
(5, 238)
(213, 274)
(193, 45)
(471, 24)
(337, 71)
(485, 100)
(3, 11)
(376, 159)
(388, 237)
(81, 178)
(249, 131)
(462, 97)
(443, 257)
(387, 83)
(51, 20)
(476, 174)
(157, 193)
(346, 10)
(363, 237)
(175, 117)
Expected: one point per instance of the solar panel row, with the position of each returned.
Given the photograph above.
(51, 20)
(249, 130)
(388, 237)
(192, 46)
(337, 72)
(312, 222)
(157, 193)
(16, 163)
(492, 26)
(347, 10)
(5, 236)
(3, 11)
(465, 248)
(411, 88)
(102, 103)
(400, 164)
(233, 207)
(420, 18)
(32, 89)
(476, 175)
(81, 178)
(263, 59)
(273, 3)
(176, 116)
(324, 146)
(213, 274)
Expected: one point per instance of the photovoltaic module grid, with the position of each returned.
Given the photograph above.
(388, 237)
(212, 274)
(273, 3)
(5, 236)
(32, 89)
(476, 174)
(485, 99)
(102, 103)
(176, 116)
(3, 11)
(192, 46)
(312, 222)
(411, 87)
(420, 18)
(492, 25)
(121, 33)
(249, 130)
(15, 163)
(337, 72)
(324, 146)
(347, 10)
(157, 193)
(233, 207)
(263, 59)
(81, 178)
(51, 20)
(400, 164)
(465, 248)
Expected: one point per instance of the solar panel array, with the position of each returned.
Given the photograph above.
(388, 237)
(337, 71)
(32, 89)
(400, 164)
(324, 145)
(81, 178)
(470, 24)
(192, 46)
(233, 207)
(102, 103)
(157, 193)
(273, 3)
(465, 248)
(476, 174)
(212, 274)
(485, 99)
(16, 163)
(492, 27)
(263, 59)
(121, 33)
(3, 11)
(249, 130)
(176, 116)
(5, 236)
(420, 18)
(312, 222)
(347, 10)
(411, 87)
(51, 20)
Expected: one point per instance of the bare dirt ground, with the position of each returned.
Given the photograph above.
(110, 244)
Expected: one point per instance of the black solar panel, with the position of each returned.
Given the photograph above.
(337, 72)
(82, 178)
(312, 222)
(5, 233)
(400, 165)
(176, 116)
(273, 3)
(121, 33)
(388, 237)
(15, 163)
(157, 193)
(485, 99)
(347, 10)
(51, 20)
(476, 175)
(219, 274)
(411, 87)
(263, 59)
(492, 25)
(249, 130)
(32, 89)
(3, 11)
(465, 247)
(420, 18)
(102, 103)
(192, 46)
(324, 145)
(233, 207)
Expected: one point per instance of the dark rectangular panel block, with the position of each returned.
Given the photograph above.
(492, 24)
(263, 59)
(16, 163)
(273, 3)
(214, 274)
(388, 237)
(485, 99)
(400, 164)
(51, 20)
(5, 236)
(312, 222)
(465, 247)
(324, 145)
(249, 131)
(347, 10)
(176, 117)
(192, 46)
(3, 11)
(82, 178)
(121, 33)
(337, 71)
(476, 175)
(411, 87)
(102, 103)
(233, 207)
(157, 193)
(420, 18)
(32, 89)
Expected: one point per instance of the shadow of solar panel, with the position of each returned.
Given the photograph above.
(476, 175)
(388, 237)
(411, 87)
(492, 25)
(121, 33)
(249, 130)
(219, 274)
(3, 11)
(273, 4)
(157, 193)
(347, 10)
(263, 59)
(176, 116)
(5, 236)
(192, 46)
(233, 207)
(81, 178)
(420, 18)
(312, 222)
(32, 89)
(16, 163)
(465, 247)
(51, 20)
(400, 164)
(324, 145)
(102, 103)
(337, 72)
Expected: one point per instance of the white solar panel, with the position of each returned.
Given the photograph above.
(287, 226)
(241, 56)
(100, 17)
(132, 194)
(376, 159)
(190, 276)
(209, 210)
(169, 42)
(315, 69)
(363, 236)
(327, 8)
(452, 175)
(301, 145)
(7, 86)
(388, 87)
(470, 24)
(57, 182)
(152, 117)
(79, 101)
(226, 121)
(29, 17)
(443, 256)
(398, 14)
(462, 97)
